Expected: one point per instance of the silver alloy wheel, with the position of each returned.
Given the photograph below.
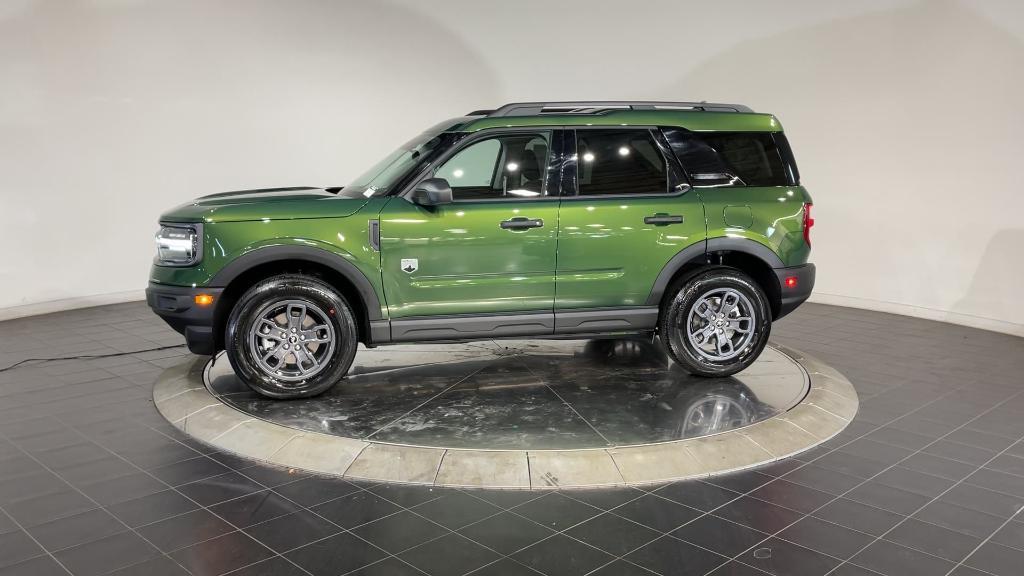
(292, 340)
(720, 324)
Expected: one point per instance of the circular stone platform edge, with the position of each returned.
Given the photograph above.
(831, 403)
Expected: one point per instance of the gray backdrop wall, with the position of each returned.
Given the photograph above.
(906, 118)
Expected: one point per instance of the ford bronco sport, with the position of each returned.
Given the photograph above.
(554, 219)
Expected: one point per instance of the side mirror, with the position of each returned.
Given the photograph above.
(432, 192)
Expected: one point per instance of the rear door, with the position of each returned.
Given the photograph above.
(627, 210)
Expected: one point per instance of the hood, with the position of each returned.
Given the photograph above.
(266, 204)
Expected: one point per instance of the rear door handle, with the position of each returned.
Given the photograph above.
(521, 223)
(662, 219)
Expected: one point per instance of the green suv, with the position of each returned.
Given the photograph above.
(539, 219)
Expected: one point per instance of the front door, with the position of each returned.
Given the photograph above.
(490, 254)
(630, 212)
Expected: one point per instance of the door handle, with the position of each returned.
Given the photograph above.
(521, 223)
(663, 219)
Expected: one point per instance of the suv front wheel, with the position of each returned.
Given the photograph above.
(717, 322)
(291, 336)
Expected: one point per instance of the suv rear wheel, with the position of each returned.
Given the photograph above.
(717, 322)
(291, 336)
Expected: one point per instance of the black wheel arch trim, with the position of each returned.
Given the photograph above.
(261, 256)
(710, 245)
(746, 245)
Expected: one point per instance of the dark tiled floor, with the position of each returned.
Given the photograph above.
(929, 478)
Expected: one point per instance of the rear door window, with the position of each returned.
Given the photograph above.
(614, 162)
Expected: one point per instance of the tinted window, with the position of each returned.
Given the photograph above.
(733, 158)
(619, 162)
(509, 166)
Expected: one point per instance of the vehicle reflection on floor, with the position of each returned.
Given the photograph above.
(528, 394)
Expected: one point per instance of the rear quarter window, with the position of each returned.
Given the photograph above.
(734, 158)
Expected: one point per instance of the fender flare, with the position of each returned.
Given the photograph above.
(259, 256)
(700, 249)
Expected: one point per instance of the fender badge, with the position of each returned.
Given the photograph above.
(410, 265)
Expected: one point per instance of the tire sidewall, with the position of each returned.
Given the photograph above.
(687, 294)
(290, 287)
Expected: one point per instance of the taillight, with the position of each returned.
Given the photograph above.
(808, 223)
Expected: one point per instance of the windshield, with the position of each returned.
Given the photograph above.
(386, 174)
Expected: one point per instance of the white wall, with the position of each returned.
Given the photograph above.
(906, 118)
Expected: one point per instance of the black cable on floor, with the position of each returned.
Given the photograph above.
(87, 356)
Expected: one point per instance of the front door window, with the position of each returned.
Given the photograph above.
(507, 166)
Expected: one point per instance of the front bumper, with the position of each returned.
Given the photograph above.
(793, 296)
(176, 305)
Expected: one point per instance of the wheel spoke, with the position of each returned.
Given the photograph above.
(736, 324)
(709, 312)
(296, 314)
(311, 356)
(275, 352)
(304, 357)
(300, 359)
(729, 302)
(313, 335)
(724, 344)
(273, 331)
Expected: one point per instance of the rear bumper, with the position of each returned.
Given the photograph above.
(793, 296)
(176, 305)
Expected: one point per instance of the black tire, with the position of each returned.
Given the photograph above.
(317, 301)
(676, 318)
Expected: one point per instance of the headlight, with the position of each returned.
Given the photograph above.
(179, 245)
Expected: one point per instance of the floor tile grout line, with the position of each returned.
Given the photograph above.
(554, 532)
(94, 501)
(342, 529)
(568, 405)
(356, 457)
(46, 552)
(175, 489)
(715, 552)
(641, 494)
(831, 450)
(437, 471)
(935, 499)
(977, 466)
(352, 529)
(529, 471)
(386, 558)
(804, 464)
(868, 505)
(424, 403)
(611, 512)
(864, 481)
(618, 558)
(986, 541)
(530, 568)
(872, 506)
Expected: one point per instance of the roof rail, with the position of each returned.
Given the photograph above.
(599, 106)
